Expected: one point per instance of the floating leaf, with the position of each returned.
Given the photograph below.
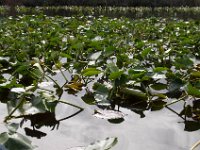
(45, 84)
(115, 75)
(90, 72)
(106, 144)
(108, 114)
(76, 86)
(145, 52)
(157, 105)
(160, 69)
(112, 68)
(192, 90)
(191, 126)
(134, 92)
(159, 86)
(66, 55)
(18, 90)
(15, 141)
(12, 127)
(88, 98)
(195, 74)
(95, 55)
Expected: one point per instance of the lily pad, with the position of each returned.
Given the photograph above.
(15, 141)
(108, 114)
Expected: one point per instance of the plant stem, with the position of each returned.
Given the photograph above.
(173, 102)
(18, 105)
(70, 104)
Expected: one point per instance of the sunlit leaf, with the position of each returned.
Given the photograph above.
(145, 52)
(90, 72)
(18, 90)
(106, 144)
(160, 69)
(108, 114)
(195, 74)
(134, 92)
(115, 75)
(95, 55)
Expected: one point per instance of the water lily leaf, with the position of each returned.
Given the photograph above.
(15, 141)
(66, 56)
(115, 75)
(18, 90)
(90, 72)
(101, 94)
(106, 144)
(160, 69)
(108, 114)
(44, 84)
(145, 52)
(195, 74)
(95, 55)
(191, 90)
(174, 88)
(76, 86)
(88, 98)
(187, 111)
(134, 92)
(12, 127)
(36, 72)
(157, 105)
(159, 86)
(112, 68)
(191, 126)
(183, 62)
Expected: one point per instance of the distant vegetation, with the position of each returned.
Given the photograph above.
(150, 3)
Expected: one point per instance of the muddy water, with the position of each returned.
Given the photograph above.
(159, 130)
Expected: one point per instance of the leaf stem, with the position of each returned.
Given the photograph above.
(18, 105)
(173, 102)
(73, 105)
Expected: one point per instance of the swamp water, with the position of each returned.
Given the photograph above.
(158, 130)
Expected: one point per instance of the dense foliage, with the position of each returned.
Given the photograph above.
(136, 3)
(142, 64)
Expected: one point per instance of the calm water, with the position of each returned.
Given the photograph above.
(159, 130)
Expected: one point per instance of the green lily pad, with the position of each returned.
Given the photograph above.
(15, 141)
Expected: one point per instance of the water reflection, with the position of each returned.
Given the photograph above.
(158, 130)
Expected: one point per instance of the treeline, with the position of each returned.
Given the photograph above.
(133, 3)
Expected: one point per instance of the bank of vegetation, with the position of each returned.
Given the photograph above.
(135, 3)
